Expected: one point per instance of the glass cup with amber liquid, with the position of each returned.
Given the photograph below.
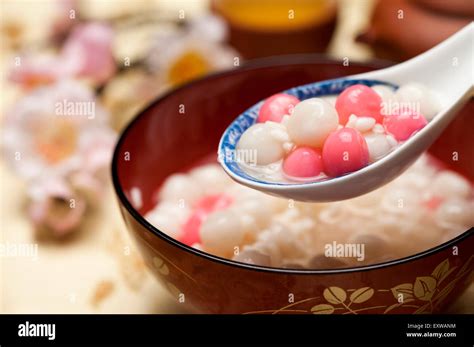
(260, 28)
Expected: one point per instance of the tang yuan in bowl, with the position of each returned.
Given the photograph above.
(219, 247)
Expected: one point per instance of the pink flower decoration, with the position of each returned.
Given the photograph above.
(64, 22)
(55, 207)
(57, 139)
(86, 53)
(40, 70)
(60, 128)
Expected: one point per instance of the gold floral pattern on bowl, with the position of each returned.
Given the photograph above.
(423, 295)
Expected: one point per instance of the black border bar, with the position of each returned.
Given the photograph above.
(234, 329)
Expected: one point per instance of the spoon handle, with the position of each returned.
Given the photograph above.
(446, 68)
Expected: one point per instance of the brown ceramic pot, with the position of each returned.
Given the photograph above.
(160, 141)
(402, 29)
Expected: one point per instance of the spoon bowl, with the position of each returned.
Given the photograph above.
(452, 62)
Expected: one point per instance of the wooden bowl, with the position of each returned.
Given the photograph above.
(160, 141)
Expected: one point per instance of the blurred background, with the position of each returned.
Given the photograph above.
(75, 72)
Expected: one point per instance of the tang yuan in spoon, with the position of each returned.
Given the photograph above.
(337, 139)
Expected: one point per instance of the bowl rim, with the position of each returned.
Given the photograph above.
(274, 61)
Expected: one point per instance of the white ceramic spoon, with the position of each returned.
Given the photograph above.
(446, 69)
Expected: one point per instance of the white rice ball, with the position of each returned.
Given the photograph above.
(312, 121)
(176, 210)
(362, 124)
(257, 209)
(263, 143)
(211, 178)
(180, 188)
(400, 200)
(419, 95)
(275, 204)
(136, 197)
(280, 242)
(221, 232)
(455, 212)
(165, 223)
(451, 184)
(413, 180)
(378, 144)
